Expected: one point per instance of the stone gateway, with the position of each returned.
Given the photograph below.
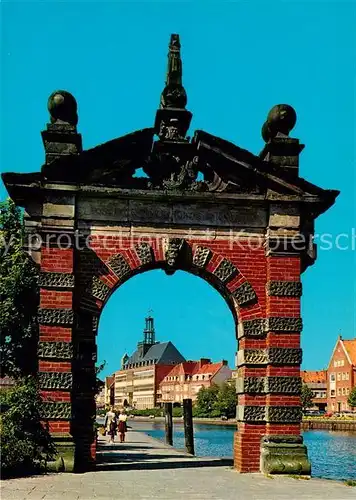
(243, 222)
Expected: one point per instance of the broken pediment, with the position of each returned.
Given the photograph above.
(171, 161)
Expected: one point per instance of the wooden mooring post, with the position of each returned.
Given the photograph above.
(188, 425)
(168, 423)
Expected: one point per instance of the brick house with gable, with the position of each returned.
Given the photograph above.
(186, 379)
(341, 375)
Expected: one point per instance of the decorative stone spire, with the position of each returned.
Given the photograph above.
(174, 94)
(172, 119)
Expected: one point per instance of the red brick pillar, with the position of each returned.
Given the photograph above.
(55, 345)
(56, 322)
(251, 399)
(282, 449)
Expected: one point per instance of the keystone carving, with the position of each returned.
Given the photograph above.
(98, 289)
(55, 316)
(56, 280)
(284, 385)
(58, 350)
(55, 380)
(283, 414)
(251, 413)
(284, 288)
(284, 356)
(56, 411)
(119, 265)
(145, 253)
(202, 256)
(282, 324)
(172, 251)
(245, 294)
(226, 271)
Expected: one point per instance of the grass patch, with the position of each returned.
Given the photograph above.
(297, 476)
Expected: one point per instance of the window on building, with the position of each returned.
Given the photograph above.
(335, 364)
(338, 376)
(332, 392)
(332, 377)
(347, 391)
(343, 376)
(342, 362)
(339, 391)
(347, 376)
(343, 391)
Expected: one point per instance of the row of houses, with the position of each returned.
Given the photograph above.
(332, 386)
(157, 373)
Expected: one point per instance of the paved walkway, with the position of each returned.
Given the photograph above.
(144, 468)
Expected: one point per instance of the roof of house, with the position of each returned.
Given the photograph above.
(195, 368)
(211, 368)
(109, 380)
(350, 346)
(309, 376)
(161, 353)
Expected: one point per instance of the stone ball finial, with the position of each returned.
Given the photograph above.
(281, 119)
(62, 107)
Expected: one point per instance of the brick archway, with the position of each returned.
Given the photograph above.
(241, 221)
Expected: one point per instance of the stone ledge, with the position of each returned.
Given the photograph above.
(284, 288)
(55, 350)
(56, 280)
(55, 316)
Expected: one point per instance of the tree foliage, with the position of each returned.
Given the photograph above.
(216, 401)
(19, 296)
(352, 398)
(24, 441)
(306, 397)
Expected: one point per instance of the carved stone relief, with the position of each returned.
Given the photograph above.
(226, 271)
(58, 350)
(55, 316)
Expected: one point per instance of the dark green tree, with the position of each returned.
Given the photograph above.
(25, 443)
(352, 398)
(206, 401)
(18, 297)
(306, 397)
(226, 400)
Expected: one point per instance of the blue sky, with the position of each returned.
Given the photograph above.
(239, 60)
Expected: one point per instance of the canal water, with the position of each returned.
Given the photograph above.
(333, 454)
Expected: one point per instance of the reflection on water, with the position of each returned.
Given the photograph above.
(333, 454)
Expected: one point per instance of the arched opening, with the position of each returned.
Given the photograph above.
(187, 311)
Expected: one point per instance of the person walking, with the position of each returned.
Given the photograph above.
(122, 426)
(111, 424)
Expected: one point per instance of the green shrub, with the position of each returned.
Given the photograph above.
(24, 441)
